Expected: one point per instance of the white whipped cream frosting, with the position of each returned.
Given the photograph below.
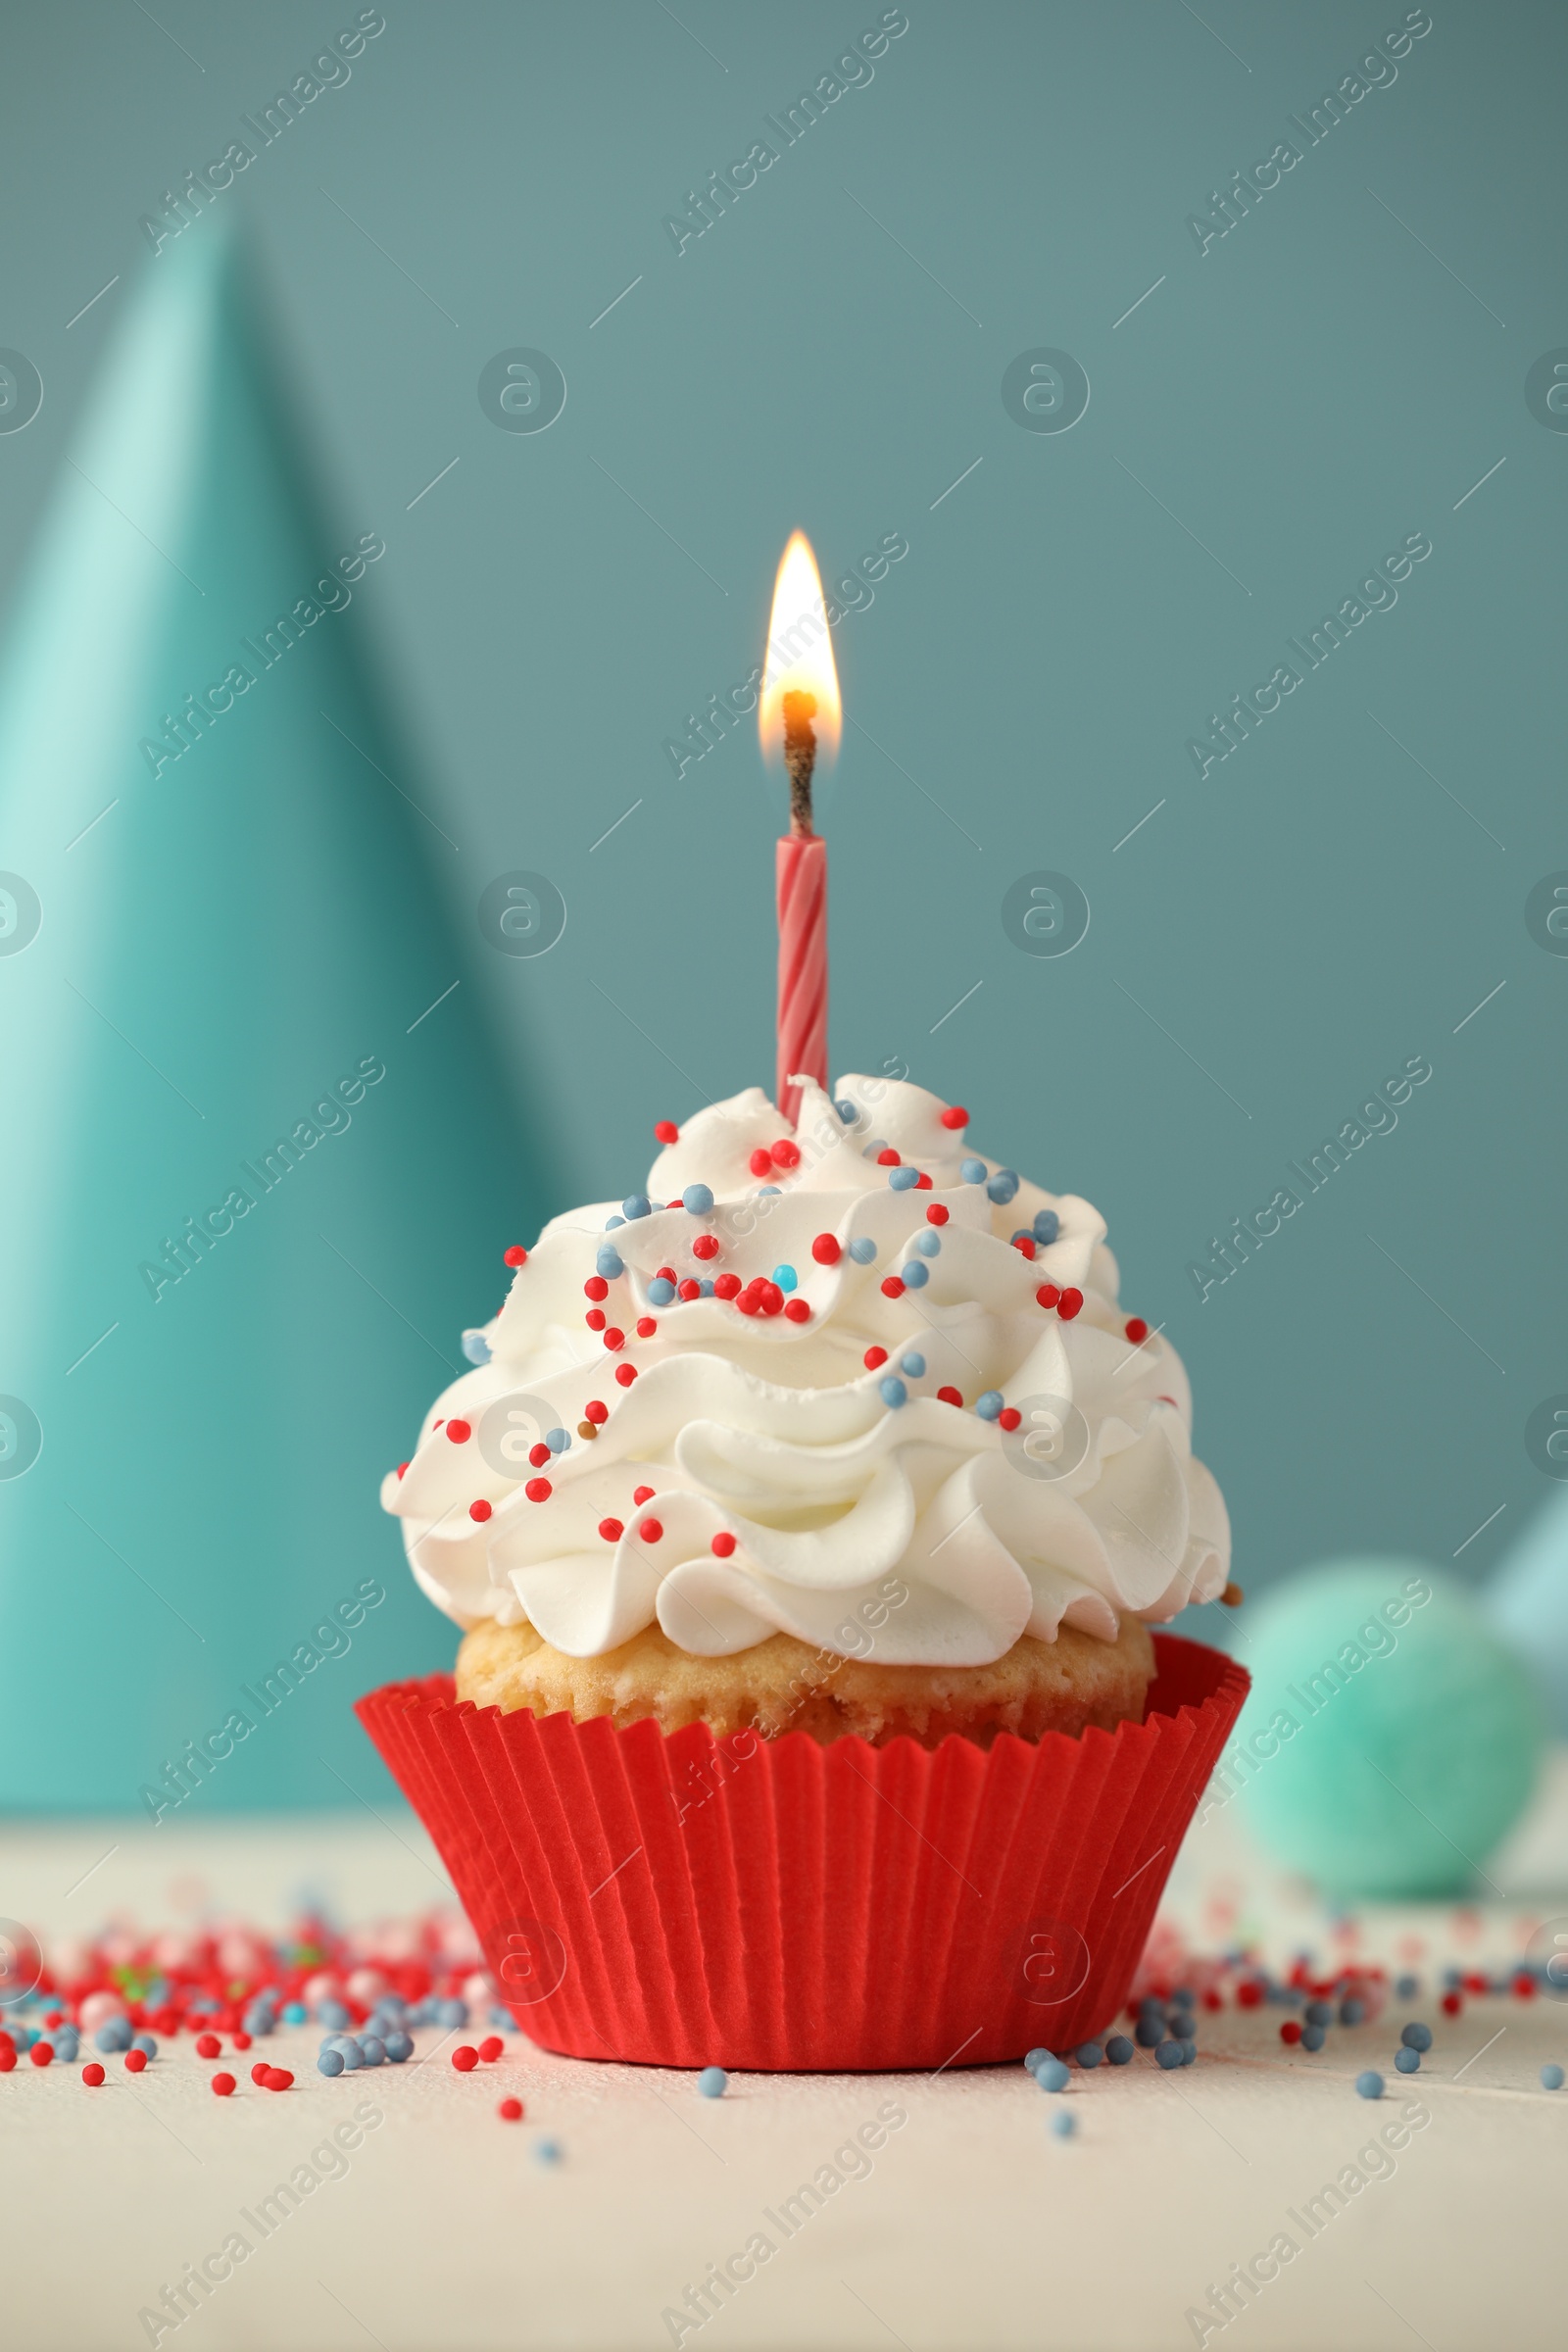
(773, 1431)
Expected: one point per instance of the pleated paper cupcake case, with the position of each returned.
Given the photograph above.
(841, 1907)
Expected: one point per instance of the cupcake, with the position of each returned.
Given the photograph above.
(825, 1471)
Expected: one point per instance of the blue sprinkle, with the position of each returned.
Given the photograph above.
(557, 1441)
(1002, 1187)
(1408, 2062)
(713, 2083)
(1063, 2122)
(697, 1198)
(1352, 2011)
(1452, 1979)
(914, 1364)
(1370, 2085)
(903, 1179)
(989, 1406)
(138, 2042)
(973, 1171)
(609, 1262)
(1416, 2036)
(1089, 2053)
(863, 1250)
(1406, 1989)
(1169, 2054)
(1119, 2050)
(1313, 2037)
(892, 1392)
(769, 1192)
(1150, 2006)
(660, 1292)
(847, 1110)
(786, 1277)
(68, 2047)
(636, 1204)
(399, 2047)
(476, 1347)
(348, 2049)
(706, 1287)
(1189, 2052)
(1148, 2033)
(1552, 2078)
(1319, 2013)
(113, 2036)
(929, 1242)
(451, 2013)
(1035, 2059)
(294, 2013)
(548, 2151)
(372, 2049)
(331, 2012)
(1047, 1225)
(611, 1223)
(916, 1274)
(1052, 2075)
(330, 2062)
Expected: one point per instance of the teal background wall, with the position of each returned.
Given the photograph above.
(1268, 419)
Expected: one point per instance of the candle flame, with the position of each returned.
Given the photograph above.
(800, 655)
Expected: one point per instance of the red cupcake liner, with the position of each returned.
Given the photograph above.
(777, 1904)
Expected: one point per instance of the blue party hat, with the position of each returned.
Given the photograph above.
(260, 1167)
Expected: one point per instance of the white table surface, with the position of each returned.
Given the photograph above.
(974, 2228)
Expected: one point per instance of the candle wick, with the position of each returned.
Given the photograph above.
(800, 758)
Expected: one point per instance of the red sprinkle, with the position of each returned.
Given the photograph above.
(615, 1339)
(786, 1155)
(259, 2073)
(1524, 1988)
(750, 1302)
(612, 1530)
(465, 2058)
(92, 2074)
(892, 1287)
(1025, 1245)
(402, 1469)
(208, 2046)
(1248, 1993)
(596, 1318)
(1009, 1417)
(876, 1356)
(798, 1311)
(667, 1273)
(689, 1288)
(1068, 1303)
(625, 1374)
(458, 1432)
(722, 1545)
(666, 1131)
(223, 2084)
(922, 1183)
(510, 2109)
(760, 1163)
(705, 1246)
(517, 1255)
(647, 1325)
(43, 2053)
(1137, 1330)
(728, 1285)
(480, 1510)
(826, 1249)
(135, 2062)
(650, 1529)
(8, 2060)
(1291, 2031)
(1451, 2004)
(491, 2048)
(594, 1411)
(538, 1455)
(241, 2041)
(948, 1396)
(954, 1117)
(595, 1288)
(887, 1158)
(277, 2077)
(936, 1214)
(642, 1495)
(1047, 1295)
(538, 1490)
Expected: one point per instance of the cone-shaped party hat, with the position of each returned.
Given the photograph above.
(260, 1168)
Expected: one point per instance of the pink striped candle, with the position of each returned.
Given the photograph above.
(802, 965)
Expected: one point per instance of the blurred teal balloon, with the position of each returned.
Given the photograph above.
(260, 1164)
(1526, 1601)
(1390, 1740)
